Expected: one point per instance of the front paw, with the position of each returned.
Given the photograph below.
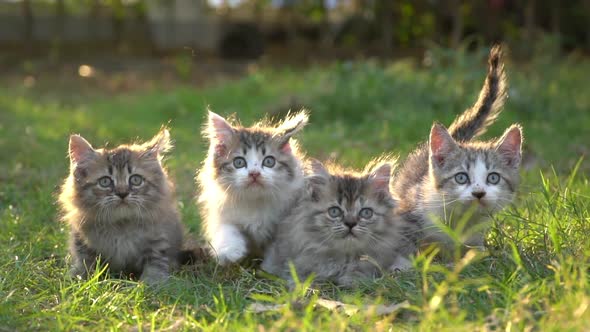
(154, 278)
(347, 281)
(231, 254)
(401, 264)
(79, 272)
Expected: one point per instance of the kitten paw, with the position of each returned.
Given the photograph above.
(401, 264)
(78, 272)
(229, 245)
(231, 254)
(346, 281)
(154, 278)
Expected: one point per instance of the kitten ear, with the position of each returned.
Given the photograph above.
(318, 176)
(159, 144)
(218, 128)
(318, 169)
(289, 127)
(79, 149)
(380, 177)
(509, 146)
(441, 144)
(219, 132)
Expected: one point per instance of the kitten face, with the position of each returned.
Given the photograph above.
(348, 212)
(256, 161)
(124, 182)
(481, 174)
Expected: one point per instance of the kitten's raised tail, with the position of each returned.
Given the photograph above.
(475, 120)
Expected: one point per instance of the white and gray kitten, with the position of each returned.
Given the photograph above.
(249, 181)
(342, 229)
(120, 206)
(452, 175)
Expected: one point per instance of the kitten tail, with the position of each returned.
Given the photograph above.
(474, 121)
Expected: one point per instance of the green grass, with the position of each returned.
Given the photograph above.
(533, 276)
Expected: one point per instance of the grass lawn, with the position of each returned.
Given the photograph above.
(534, 274)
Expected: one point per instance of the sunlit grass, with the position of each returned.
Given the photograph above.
(533, 275)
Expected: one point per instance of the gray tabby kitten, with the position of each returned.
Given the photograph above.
(120, 206)
(452, 175)
(342, 229)
(250, 179)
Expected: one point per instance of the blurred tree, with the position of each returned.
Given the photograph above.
(458, 22)
(385, 14)
(556, 17)
(117, 20)
(586, 6)
(529, 20)
(60, 21)
(93, 15)
(27, 13)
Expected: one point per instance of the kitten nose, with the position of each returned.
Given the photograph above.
(478, 194)
(122, 194)
(350, 223)
(254, 174)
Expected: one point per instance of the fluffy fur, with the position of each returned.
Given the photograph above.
(443, 179)
(120, 207)
(249, 181)
(342, 229)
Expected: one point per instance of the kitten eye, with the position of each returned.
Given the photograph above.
(461, 178)
(105, 182)
(136, 180)
(239, 162)
(366, 213)
(493, 178)
(269, 162)
(334, 212)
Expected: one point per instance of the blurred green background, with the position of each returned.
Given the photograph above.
(374, 76)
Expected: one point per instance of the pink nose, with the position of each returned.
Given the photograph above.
(254, 175)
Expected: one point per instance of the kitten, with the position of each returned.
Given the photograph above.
(249, 180)
(342, 229)
(451, 175)
(120, 207)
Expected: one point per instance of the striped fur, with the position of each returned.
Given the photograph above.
(347, 247)
(135, 229)
(242, 203)
(475, 120)
(426, 187)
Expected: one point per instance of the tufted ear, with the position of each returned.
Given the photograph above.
(289, 127)
(317, 177)
(380, 177)
(509, 146)
(159, 144)
(219, 132)
(441, 144)
(79, 149)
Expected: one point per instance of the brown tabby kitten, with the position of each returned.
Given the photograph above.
(343, 228)
(452, 175)
(120, 206)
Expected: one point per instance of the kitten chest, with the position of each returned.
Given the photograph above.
(258, 224)
(121, 247)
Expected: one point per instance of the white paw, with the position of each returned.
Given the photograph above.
(231, 253)
(229, 245)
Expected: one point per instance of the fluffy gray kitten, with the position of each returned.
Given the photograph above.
(120, 207)
(249, 181)
(342, 229)
(452, 177)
